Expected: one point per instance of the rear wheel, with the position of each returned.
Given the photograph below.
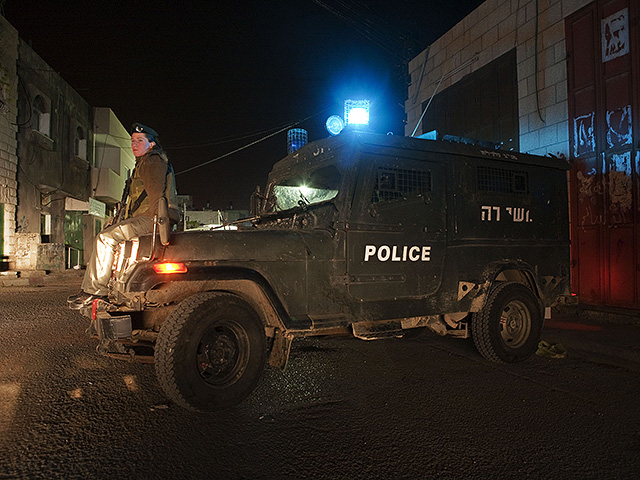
(210, 352)
(508, 327)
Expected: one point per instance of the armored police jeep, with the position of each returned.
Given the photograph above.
(365, 234)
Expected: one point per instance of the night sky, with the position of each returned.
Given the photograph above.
(213, 76)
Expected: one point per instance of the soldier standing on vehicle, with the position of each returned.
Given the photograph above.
(152, 180)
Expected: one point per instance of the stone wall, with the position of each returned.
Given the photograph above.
(490, 31)
(8, 131)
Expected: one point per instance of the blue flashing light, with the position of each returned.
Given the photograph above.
(359, 116)
(334, 124)
(296, 139)
(356, 112)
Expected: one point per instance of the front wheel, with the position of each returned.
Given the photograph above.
(508, 328)
(210, 352)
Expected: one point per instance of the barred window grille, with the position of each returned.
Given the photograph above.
(396, 183)
(502, 180)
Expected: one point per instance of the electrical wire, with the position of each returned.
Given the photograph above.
(227, 139)
(234, 151)
(287, 127)
(26, 93)
(364, 27)
(207, 143)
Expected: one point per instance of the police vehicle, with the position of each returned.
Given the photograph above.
(365, 234)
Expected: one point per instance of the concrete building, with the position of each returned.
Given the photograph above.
(63, 163)
(559, 77)
(112, 164)
(54, 155)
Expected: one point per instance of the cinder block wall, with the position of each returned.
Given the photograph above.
(488, 32)
(8, 131)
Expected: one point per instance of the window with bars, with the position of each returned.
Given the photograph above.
(502, 180)
(397, 183)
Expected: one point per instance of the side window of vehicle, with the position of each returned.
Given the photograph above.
(392, 184)
(502, 180)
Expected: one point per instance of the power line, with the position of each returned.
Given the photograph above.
(287, 127)
(358, 16)
(227, 139)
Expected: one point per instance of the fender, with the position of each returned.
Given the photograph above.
(147, 287)
(516, 271)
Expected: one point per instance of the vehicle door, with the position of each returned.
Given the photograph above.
(396, 234)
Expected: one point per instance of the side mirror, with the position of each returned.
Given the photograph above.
(257, 202)
(164, 222)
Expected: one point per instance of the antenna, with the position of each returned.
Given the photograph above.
(446, 75)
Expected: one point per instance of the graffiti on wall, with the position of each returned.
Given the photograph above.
(22, 225)
(589, 189)
(619, 128)
(584, 134)
(615, 35)
(620, 187)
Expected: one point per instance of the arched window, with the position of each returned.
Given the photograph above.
(80, 144)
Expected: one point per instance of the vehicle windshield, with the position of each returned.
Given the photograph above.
(305, 189)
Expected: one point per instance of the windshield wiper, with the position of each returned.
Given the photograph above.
(303, 202)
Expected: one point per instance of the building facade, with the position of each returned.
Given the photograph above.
(63, 164)
(8, 141)
(552, 77)
(54, 155)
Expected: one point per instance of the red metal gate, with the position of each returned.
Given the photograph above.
(603, 62)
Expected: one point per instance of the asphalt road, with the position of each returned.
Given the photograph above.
(345, 408)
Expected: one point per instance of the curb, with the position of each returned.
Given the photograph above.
(604, 342)
(31, 279)
(598, 314)
(596, 353)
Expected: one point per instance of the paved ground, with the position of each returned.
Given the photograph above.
(428, 407)
(597, 335)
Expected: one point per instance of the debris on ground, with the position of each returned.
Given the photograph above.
(546, 349)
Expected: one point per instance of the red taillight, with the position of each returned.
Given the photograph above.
(169, 267)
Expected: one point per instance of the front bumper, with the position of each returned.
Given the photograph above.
(116, 337)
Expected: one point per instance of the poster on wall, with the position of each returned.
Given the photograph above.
(615, 35)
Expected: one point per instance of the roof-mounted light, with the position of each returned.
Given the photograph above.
(356, 112)
(334, 124)
(296, 139)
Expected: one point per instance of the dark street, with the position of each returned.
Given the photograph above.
(424, 407)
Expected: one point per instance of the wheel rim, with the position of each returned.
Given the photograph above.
(515, 324)
(222, 354)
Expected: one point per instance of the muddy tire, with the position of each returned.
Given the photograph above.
(508, 328)
(210, 352)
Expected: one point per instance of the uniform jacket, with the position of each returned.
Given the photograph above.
(152, 174)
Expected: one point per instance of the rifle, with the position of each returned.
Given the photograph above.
(122, 205)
